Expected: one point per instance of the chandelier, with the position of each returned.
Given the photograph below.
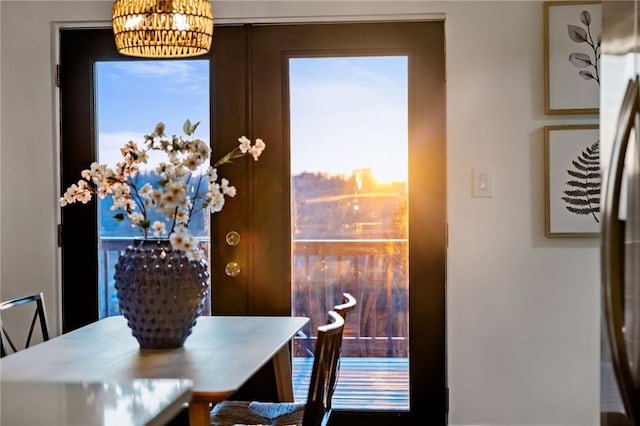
(162, 28)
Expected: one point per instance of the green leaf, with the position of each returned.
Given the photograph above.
(186, 127)
(118, 217)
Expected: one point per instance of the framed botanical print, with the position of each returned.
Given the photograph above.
(572, 180)
(572, 57)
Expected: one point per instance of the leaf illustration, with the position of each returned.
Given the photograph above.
(589, 66)
(579, 175)
(580, 60)
(587, 75)
(583, 195)
(579, 166)
(577, 34)
(582, 192)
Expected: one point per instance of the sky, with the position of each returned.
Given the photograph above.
(346, 113)
(133, 96)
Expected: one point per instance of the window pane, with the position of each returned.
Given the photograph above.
(131, 98)
(349, 157)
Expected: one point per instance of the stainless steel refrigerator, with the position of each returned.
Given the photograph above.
(620, 207)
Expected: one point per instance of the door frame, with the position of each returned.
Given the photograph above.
(348, 419)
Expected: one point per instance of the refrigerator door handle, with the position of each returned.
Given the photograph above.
(612, 252)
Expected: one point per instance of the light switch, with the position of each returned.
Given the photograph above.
(482, 182)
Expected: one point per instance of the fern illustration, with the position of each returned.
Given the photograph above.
(589, 68)
(583, 195)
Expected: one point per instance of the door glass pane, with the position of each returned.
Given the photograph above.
(349, 186)
(131, 98)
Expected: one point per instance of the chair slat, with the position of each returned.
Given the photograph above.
(39, 314)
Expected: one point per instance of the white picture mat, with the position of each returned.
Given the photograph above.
(564, 146)
(567, 89)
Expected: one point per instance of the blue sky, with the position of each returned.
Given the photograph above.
(346, 113)
(349, 113)
(133, 96)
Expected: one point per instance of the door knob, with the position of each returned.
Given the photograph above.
(232, 238)
(232, 269)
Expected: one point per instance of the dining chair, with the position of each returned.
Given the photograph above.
(317, 409)
(348, 304)
(38, 314)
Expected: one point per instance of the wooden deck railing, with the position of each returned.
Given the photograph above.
(374, 271)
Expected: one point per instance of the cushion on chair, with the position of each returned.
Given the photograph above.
(273, 410)
(231, 413)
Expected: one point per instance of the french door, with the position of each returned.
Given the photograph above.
(251, 72)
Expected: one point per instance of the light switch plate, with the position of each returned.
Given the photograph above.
(482, 182)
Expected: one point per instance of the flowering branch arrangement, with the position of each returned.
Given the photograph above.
(179, 192)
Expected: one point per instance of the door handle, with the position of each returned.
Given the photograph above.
(612, 251)
(232, 238)
(232, 269)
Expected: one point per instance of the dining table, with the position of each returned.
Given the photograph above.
(221, 354)
(137, 402)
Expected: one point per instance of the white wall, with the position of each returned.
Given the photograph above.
(523, 310)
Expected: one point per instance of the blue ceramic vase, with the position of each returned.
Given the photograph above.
(161, 293)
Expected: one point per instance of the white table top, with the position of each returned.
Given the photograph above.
(221, 354)
(131, 403)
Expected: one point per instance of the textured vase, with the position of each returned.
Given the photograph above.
(161, 293)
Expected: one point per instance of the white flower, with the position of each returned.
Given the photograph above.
(203, 149)
(159, 228)
(257, 149)
(175, 195)
(212, 175)
(217, 201)
(174, 189)
(136, 218)
(143, 156)
(146, 190)
(245, 144)
(179, 238)
(192, 162)
(227, 190)
(182, 216)
(76, 192)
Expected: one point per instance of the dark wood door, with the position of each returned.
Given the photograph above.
(252, 96)
(80, 49)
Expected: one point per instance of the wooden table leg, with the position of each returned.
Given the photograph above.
(284, 380)
(199, 413)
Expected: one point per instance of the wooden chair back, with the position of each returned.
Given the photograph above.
(348, 304)
(325, 369)
(6, 342)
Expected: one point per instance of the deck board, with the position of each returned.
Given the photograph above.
(363, 383)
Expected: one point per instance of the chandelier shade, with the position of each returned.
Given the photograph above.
(162, 28)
